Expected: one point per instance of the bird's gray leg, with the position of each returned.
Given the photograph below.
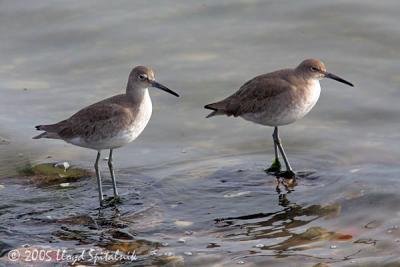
(110, 165)
(276, 151)
(289, 171)
(96, 167)
(276, 165)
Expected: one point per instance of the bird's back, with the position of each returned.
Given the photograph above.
(254, 95)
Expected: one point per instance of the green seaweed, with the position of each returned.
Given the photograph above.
(26, 170)
(111, 201)
(275, 167)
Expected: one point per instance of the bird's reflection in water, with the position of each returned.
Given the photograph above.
(288, 186)
(109, 230)
(279, 231)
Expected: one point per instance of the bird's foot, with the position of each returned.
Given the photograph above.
(275, 167)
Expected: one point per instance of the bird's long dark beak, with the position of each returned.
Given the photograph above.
(162, 87)
(337, 78)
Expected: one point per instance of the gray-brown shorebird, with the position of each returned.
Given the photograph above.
(277, 98)
(110, 123)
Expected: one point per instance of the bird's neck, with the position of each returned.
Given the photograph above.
(314, 85)
(136, 94)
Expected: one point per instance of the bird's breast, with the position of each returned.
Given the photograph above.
(310, 98)
(140, 119)
(301, 103)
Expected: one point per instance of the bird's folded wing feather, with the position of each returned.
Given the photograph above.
(256, 94)
(101, 119)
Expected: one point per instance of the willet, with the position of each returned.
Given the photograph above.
(110, 123)
(277, 98)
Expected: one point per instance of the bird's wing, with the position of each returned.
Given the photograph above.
(101, 118)
(253, 96)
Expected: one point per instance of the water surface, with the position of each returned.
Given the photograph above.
(201, 180)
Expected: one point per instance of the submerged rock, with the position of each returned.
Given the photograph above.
(48, 174)
(321, 264)
(139, 247)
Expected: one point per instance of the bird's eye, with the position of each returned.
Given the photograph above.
(142, 77)
(313, 69)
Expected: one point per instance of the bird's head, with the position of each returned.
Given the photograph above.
(142, 77)
(314, 69)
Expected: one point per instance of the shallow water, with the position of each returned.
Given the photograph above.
(193, 189)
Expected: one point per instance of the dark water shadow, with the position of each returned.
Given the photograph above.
(278, 224)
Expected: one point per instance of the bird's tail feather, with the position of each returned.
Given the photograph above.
(49, 132)
(218, 108)
(48, 127)
(215, 113)
(47, 135)
(42, 135)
